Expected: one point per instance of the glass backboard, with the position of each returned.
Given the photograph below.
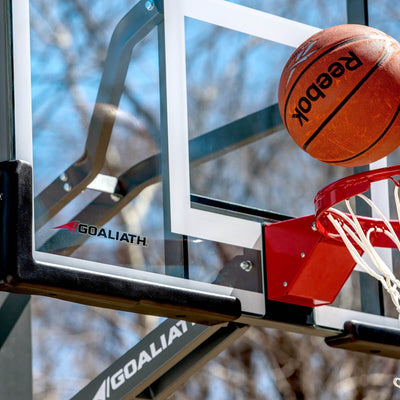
(158, 151)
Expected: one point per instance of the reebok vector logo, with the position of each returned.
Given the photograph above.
(111, 234)
(302, 55)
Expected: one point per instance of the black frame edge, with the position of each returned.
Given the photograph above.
(368, 338)
(21, 273)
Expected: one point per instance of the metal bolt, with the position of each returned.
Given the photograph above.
(314, 226)
(63, 177)
(246, 265)
(115, 198)
(302, 254)
(149, 5)
(284, 284)
(67, 187)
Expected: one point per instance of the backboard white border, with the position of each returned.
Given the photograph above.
(22, 81)
(185, 219)
(331, 317)
(253, 303)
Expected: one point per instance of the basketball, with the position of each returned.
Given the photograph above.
(339, 95)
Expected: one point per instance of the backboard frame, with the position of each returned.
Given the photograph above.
(24, 270)
(185, 218)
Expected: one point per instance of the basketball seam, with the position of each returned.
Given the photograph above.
(346, 99)
(336, 46)
(372, 144)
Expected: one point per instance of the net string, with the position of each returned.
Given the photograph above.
(348, 227)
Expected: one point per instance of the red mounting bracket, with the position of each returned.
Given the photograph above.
(303, 266)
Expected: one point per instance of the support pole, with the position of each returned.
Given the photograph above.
(15, 347)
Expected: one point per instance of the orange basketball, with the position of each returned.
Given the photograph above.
(339, 95)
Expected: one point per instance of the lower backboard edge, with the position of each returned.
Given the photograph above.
(125, 294)
(368, 338)
(20, 272)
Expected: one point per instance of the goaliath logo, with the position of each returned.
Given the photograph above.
(142, 360)
(93, 230)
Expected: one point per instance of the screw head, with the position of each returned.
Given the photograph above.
(149, 5)
(314, 226)
(63, 177)
(67, 187)
(284, 284)
(115, 198)
(246, 265)
(302, 254)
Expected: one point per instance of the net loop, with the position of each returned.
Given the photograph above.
(397, 183)
(358, 241)
(396, 382)
(361, 235)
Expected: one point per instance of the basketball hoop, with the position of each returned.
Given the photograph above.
(362, 234)
(297, 249)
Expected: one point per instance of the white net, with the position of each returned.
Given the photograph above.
(356, 238)
(351, 231)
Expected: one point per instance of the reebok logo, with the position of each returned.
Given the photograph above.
(301, 56)
(316, 90)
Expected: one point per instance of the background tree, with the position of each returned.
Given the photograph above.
(229, 76)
